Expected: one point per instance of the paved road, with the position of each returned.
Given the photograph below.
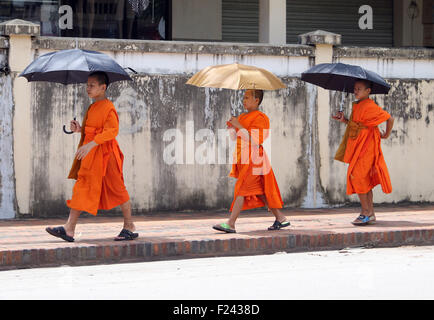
(387, 273)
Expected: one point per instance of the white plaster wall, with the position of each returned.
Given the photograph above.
(20, 55)
(184, 63)
(135, 142)
(175, 63)
(395, 68)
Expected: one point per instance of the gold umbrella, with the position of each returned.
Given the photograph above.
(237, 77)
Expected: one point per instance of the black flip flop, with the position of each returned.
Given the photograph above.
(224, 227)
(59, 232)
(126, 235)
(278, 225)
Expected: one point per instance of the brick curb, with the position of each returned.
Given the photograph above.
(137, 251)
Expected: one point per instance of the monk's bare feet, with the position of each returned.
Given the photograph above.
(280, 217)
(372, 217)
(231, 224)
(284, 220)
(364, 218)
(130, 226)
(127, 233)
(69, 231)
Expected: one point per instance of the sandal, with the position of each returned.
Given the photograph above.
(363, 220)
(126, 235)
(372, 220)
(278, 225)
(224, 227)
(60, 233)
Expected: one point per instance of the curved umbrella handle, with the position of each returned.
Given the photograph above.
(131, 70)
(67, 132)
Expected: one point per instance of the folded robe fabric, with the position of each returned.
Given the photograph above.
(100, 183)
(251, 166)
(361, 149)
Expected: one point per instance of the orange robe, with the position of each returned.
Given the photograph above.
(252, 167)
(100, 182)
(367, 167)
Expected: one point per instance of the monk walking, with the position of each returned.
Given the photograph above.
(97, 165)
(361, 149)
(256, 185)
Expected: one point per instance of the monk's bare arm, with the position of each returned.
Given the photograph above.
(85, 149)
(389, 127)
(242, 132)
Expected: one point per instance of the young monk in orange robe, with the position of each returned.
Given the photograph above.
(256, 185)
(98, 164)
(361, 149)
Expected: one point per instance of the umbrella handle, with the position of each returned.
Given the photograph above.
(68, 132)
(131, 70)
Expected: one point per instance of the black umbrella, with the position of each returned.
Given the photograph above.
(341, 77)
(73, 66)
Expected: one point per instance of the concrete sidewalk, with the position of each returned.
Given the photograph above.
(26, 244)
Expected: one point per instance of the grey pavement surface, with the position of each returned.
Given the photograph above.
(356, 273)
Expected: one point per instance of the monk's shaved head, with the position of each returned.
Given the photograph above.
(368, 84)
(362, 89)
(101, 77)
(259, 94)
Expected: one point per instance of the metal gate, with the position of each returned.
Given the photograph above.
(240, 20)
(342, 17)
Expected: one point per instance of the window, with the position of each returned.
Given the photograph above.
(122, 19)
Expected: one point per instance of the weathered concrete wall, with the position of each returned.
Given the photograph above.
(7, 182)
(157, 103)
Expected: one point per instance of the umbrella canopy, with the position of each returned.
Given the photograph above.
(237, 77)
(73, 66)
(341, 77)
